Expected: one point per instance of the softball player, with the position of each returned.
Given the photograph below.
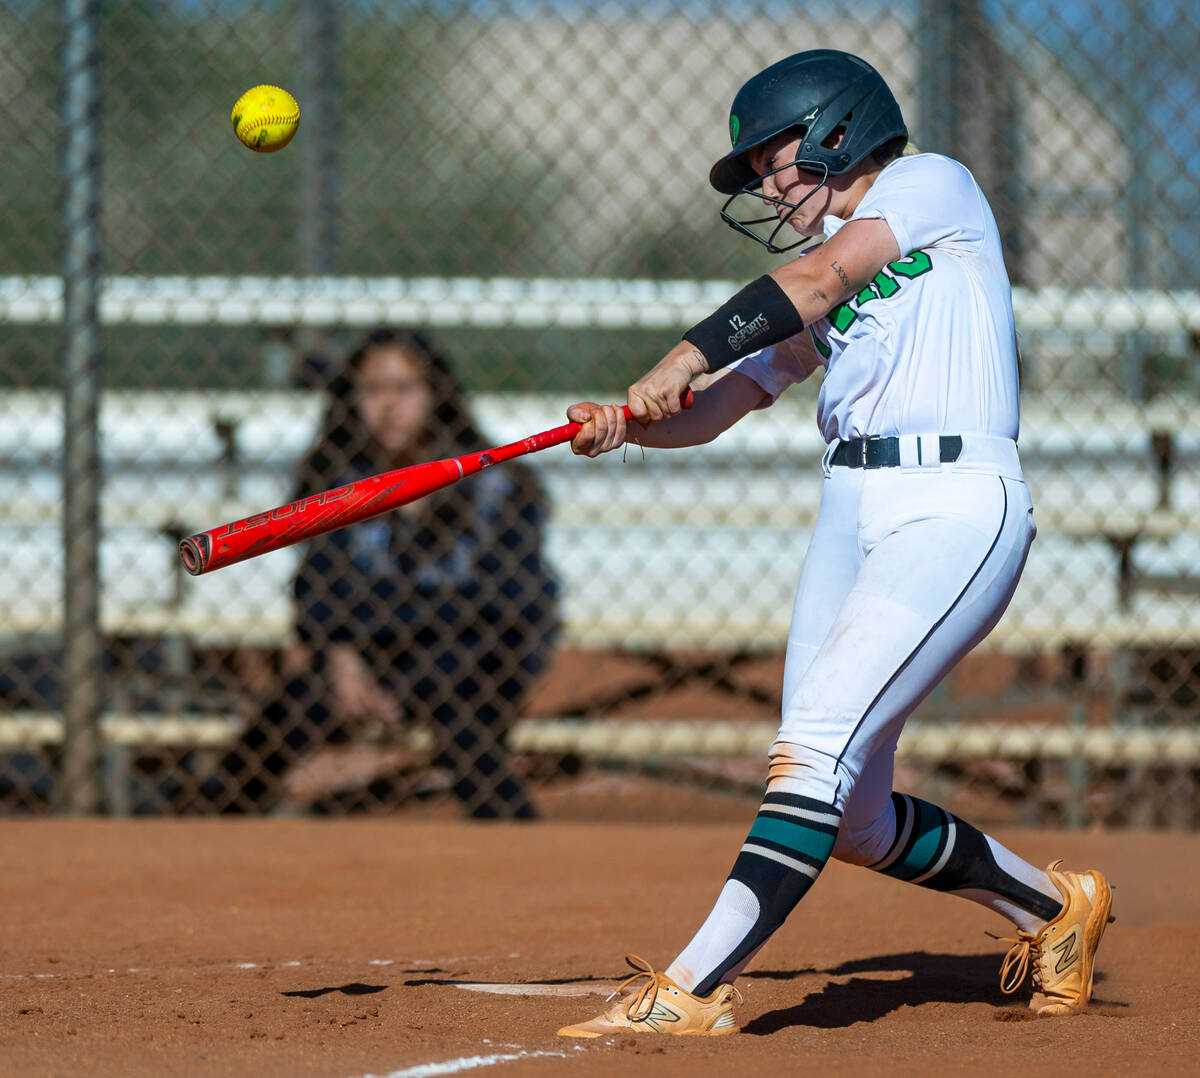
(924, 526)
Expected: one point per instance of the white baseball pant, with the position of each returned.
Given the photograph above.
(908, 569)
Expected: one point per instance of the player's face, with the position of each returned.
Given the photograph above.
(790, 184)
(393, 397)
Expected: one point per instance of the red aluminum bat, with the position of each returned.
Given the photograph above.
(332, 509)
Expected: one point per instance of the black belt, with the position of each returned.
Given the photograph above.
(885, 452)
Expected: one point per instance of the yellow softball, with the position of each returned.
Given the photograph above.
(265, 118)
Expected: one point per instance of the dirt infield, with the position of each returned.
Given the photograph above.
(346, 948)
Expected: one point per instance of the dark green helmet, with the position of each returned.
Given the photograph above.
(818, 92)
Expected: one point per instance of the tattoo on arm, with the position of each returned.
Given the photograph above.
(842, 275)
(699, 357)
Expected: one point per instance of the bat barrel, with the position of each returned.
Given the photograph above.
(329, 510)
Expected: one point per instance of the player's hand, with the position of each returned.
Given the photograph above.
(603, 428)
(660, 393)
(357, 696)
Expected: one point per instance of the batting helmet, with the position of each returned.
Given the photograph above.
(819, 95)
(817, 92)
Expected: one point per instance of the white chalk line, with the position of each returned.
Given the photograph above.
(74, 974)
(465, 1063)
(515, 989)
(499, 988)
(420, 1070)
(496, 988)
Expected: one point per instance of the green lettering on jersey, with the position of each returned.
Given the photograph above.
(912, 265)
(823, 350)
(843, 316)
(883, 286)
(880, 288)
(866, 295)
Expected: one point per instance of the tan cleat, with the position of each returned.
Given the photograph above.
(661, 1006)
(1063, 953)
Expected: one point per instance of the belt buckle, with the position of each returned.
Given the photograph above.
(864, 453)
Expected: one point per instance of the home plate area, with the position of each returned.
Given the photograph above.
(276, 947)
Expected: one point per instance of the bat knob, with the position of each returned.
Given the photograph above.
(195, 551)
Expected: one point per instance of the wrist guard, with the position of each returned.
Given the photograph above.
(759, 315)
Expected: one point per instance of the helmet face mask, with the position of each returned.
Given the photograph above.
(819, 94)
(767, 229)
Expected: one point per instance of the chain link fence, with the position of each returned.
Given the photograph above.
(182, 326)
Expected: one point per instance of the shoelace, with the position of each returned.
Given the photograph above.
(641, 1004)
(1015, 967)
(634, 1009)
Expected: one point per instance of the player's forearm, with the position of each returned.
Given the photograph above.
(838, 269)
(780, 304)
(812, 295)
(714, 409)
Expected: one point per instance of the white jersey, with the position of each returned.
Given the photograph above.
(928, 347)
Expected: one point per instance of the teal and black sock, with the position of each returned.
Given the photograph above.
(934, 848)
(788, 845)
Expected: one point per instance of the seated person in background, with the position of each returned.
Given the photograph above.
(441, 613)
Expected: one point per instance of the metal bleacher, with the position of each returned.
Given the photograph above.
(702, 536)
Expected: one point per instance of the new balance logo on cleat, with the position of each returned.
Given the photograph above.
(1062, 955)
(659, 1005)
(1066, 953)
(661, 1014)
